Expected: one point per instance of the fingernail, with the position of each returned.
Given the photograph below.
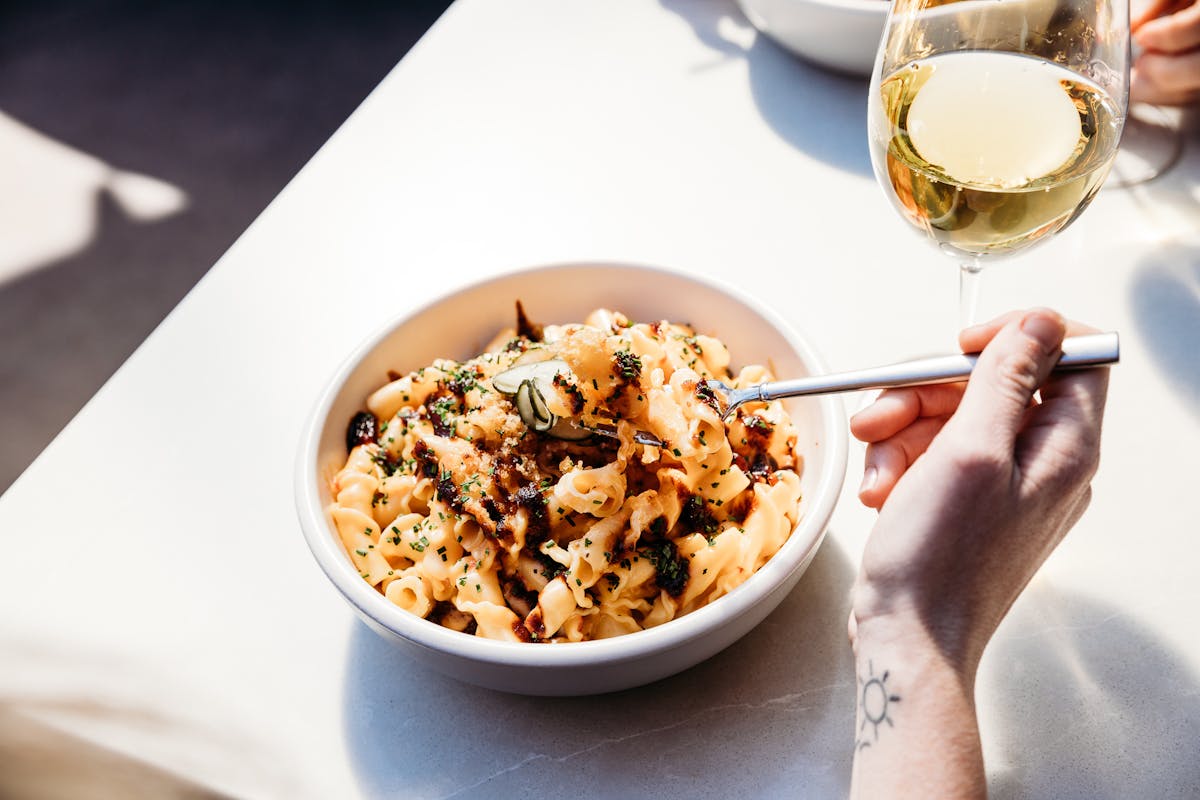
(1046, 327)
(868, 481)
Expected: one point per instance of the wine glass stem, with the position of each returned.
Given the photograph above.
(968, 291)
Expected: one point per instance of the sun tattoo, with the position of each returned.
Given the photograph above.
(874, 700)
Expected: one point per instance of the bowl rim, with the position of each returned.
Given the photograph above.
(326, 548)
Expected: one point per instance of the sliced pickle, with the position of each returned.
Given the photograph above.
(532, 408)
(541, 412)
(509, 381)
(525, 403)
(529, 382)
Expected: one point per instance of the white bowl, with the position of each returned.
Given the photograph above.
(842, 35)
(458, 326)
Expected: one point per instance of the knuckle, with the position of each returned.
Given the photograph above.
(1018, 373)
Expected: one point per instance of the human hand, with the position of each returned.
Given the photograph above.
(1168, 70)
(976, 485)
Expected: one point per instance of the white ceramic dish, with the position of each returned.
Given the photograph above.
(842, 35)
(457, 326)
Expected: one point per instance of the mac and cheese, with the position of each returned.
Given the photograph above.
(456, 510)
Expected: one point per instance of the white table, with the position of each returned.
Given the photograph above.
(150, 558)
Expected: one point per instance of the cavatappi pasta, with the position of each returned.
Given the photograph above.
(457, 511)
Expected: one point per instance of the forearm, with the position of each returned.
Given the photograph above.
(916, 734)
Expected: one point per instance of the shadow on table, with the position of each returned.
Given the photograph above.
(818, 112)
(222, 102)
(1089, 705)
(1165, 296)
(770, 714)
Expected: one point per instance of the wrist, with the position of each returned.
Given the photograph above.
(904, 636)
(916, 620)
(915, 729)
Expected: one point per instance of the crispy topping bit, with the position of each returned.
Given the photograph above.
(529, 497)
(526, 328)
(535, 624)
(463, 379)
(763, 469)
(758, 430)
(707, 396)
(695, 516)
(363, 429)
(521, 631)
(441, 414)
(658, 528)
(628, 366)
(422, 453)
(670, 568)
(494, 513)
(447, 492)
(573, 392)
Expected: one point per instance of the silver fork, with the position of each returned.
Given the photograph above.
(1078, 352)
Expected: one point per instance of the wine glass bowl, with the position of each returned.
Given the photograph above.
(993, 123)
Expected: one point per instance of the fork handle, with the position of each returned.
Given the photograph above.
(1078, 352)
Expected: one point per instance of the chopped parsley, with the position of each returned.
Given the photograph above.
(384, 460)
(629, 366)
(671, 570)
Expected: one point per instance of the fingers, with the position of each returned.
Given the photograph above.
(899, 425)
(1172, 33)
(1167, 79)
(976, 337)
(1086, 390)
(1141, 91)
(896, 409)
(1168, 71)
(1156, 9)
(888, 460)
(1016, 361)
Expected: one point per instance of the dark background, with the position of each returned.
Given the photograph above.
(226, 101)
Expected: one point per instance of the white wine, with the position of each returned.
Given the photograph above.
(990, 152)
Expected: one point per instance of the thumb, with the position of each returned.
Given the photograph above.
(1010, 369)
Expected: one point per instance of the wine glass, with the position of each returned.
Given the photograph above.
(1151, 145)
(992, 123)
